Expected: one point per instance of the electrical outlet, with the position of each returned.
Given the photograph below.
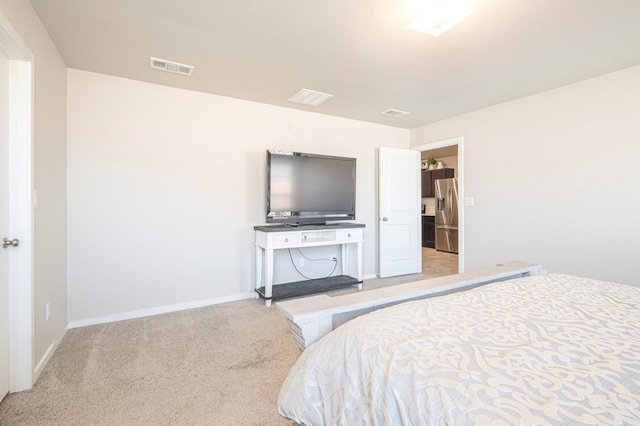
(48, 311)
(302, 262)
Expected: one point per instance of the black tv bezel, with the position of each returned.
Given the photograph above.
(309, 217)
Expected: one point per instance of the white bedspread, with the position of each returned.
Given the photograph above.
(546, 349)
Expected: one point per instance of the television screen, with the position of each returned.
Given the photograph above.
(310, 188)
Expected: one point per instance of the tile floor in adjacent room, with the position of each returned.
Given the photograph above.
(438, 263)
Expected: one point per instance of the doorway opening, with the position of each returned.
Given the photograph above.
(442, 209)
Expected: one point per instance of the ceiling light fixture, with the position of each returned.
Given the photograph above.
(310, 97)
(437, 16)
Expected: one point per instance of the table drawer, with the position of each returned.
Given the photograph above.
(349, 235)
(285, 239)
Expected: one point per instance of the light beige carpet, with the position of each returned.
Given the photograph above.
(219, 365)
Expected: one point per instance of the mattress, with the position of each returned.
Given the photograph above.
(545, 349)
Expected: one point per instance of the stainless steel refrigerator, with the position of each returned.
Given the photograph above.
(446, 215)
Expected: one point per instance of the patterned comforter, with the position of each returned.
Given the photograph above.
(546, 349)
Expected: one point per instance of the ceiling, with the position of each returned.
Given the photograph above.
(356, 50)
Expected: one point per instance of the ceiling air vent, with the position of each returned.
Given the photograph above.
(310, 97)
(395, 113)
(168, 66)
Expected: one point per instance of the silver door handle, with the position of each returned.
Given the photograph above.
(7, 242)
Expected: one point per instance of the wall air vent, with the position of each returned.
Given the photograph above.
(310, 97)
(168, 66)
(395, 113)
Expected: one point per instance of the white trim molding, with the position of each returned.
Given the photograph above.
(161, 310)
(48, 354)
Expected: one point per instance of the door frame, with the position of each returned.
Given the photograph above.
(21, 321)
(459, 141)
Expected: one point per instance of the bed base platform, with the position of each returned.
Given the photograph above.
(310, 318)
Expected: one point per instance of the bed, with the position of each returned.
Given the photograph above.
(544, 349)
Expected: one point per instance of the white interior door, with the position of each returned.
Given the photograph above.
(399, 212)
(16, 210)
(4, 225)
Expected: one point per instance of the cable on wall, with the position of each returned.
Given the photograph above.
(333, 260)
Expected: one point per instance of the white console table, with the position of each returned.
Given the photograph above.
(278, 237)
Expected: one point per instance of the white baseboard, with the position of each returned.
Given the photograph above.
(48, 354)
(161, 310)
(370, 277)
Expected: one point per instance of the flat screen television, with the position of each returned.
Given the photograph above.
(310, 189)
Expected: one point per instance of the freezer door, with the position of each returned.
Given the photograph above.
(446, 215)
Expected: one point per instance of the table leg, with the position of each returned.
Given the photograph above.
(360, 264)
(259, 272)
(268, 276)
(344, 258)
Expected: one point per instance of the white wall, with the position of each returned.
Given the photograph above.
(165, 186)
(49, 175)
(450, 163)
(555, 178)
